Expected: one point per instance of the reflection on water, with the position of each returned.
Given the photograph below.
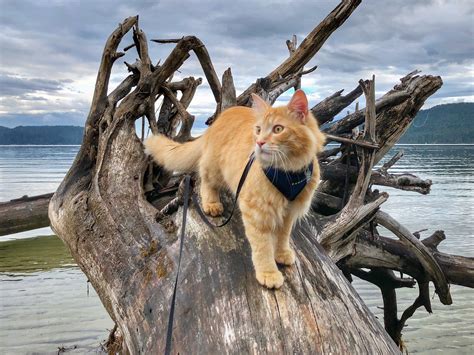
(30, 255)
(450, 329)
(451, 200)
(44, 299)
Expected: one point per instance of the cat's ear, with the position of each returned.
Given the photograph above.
(259, 105)
(299, 105)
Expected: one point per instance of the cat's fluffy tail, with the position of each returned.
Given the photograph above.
(174, 156)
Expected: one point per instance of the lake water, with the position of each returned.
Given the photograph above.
(46, 302)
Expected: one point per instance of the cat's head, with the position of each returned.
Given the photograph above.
(286, 137)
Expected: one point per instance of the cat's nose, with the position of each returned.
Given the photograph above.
(260, 143)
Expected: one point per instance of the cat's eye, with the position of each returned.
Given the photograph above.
(277, 128)
(257, 129)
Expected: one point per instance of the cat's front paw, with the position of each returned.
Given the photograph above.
(213, 209)
(270, 279)
(285, 257)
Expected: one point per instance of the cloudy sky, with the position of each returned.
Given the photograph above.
(50, 49)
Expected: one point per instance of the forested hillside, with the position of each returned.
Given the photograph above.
(41, 135)
(450, 123)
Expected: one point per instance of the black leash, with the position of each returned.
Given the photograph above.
(239, 187)
(169, 333)
(187, 192)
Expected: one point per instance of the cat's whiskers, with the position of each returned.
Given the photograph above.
(285, 158)
(282, 155)
(272, 164)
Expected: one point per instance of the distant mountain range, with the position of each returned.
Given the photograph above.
(443, 124)
(39, 135)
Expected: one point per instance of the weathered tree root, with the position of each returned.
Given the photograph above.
(101, 213)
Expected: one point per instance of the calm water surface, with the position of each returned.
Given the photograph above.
(45, 301)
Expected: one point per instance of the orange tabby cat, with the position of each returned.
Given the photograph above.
(285, 138)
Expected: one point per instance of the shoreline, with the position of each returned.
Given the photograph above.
(78, 145)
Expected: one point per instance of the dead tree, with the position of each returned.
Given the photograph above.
(120, 215)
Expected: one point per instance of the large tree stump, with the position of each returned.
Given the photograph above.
(120, 216)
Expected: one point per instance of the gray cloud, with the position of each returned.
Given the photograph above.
(51, 50)
(11, 85)
(51, 119)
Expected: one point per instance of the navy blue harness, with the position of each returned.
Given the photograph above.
(290, 184)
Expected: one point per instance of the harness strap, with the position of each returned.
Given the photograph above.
(239, 187)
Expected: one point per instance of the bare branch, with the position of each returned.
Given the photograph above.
(187, 119)
(423, 299)
(388, 253)
(140, 41)
(324, 155)
(122, 89)
(292, 45)
(355, 214)
(426, 258)
(130, 46)
(171, 40)
(384, 168)
(346, 124)
(134, 67)
(359, 142)
(172, 206)
(189, 91)
(169, 115)
(403, 181)
(383, 278)
(151, 116)
(368, 87)
(409, 76)
(434, 240)
(185, 84)
(315, 39)
(367, 161)
(326, 110)
(394, 122)
(119, 93)
(228, 95)
(283, 85)
(165, 123)
(348, 220)
(176, 57)
(308, 48)
(108, 58)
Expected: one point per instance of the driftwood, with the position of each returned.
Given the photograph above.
(119, 214)
(24, 214)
